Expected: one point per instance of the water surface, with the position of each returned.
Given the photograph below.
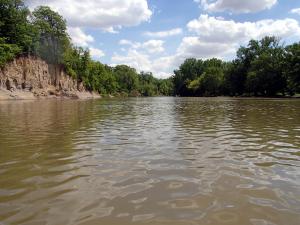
(150, 161)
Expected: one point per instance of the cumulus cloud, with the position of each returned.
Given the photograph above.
(108, 15)
(130, 43)
(96, 53)
(161, 67)
(133, 58)
(236, 6)
(165, 33)
(214, 29)
(154, 46)
(296, 11)
(79, 38)
(151, 46)
(196, 47)
(139, 55)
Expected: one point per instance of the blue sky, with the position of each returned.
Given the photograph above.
(157, 35)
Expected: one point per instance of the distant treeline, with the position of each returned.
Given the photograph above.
(43, 33)
(263, 68)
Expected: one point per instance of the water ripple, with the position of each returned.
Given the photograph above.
(150, 161)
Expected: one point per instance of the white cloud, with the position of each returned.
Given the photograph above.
(130, 43)
(236, 6)
(96, 53)
(151, 46)
(133, 58)
(212, 29)
(195, 47)
(154, 46)
(107, 15)
(79, 38)
(296, 11)
(163, 34)
(160, 67)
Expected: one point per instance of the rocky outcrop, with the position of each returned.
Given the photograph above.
(31, 77)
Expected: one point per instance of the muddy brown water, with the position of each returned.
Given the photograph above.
(155, 161)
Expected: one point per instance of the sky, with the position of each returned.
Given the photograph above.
(158, 35)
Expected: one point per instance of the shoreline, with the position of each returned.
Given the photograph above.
(17, 95)
(20, 95)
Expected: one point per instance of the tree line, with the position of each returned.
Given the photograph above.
(263, 68)
(43, 33)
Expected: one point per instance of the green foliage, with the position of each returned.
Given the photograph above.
(7, 52)
(211, 81)
(148, 84)
(188, 71)
(234, 78)
(109, 80)
(52, 29)
(205, 78)
(15, 27)
(292, 68)
(166, 87)
(126, 77)
(76, 61)
(95, 76)
(101, 79)
(264, 75)
(263, 68)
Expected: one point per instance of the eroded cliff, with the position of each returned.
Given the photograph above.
(31, 77)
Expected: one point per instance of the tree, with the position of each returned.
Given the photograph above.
(235, 76)
(15, 28)
(292, 67)
(7, 52)
(101, 79)
(126, 77)
(77, 63)
(188, 71)
(148, 85)
(193, 76)
(166, 87)
(236, 73)
(209, 83)
(258, 69)
(265, 75)
(191, 68)
(54, 40)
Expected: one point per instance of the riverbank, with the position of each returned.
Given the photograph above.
(28, 78)
(28, 95)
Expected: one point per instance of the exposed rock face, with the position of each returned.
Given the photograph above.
(30, 77)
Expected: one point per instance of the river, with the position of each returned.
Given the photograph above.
(179, 161)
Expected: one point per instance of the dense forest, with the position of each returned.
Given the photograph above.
(262, 68)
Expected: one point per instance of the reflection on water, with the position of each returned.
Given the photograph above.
(150, 161)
